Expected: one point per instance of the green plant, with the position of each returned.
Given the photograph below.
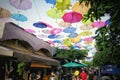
(107, 37)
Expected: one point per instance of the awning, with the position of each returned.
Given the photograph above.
(12, 31)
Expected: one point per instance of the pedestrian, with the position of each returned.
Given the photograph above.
(83, 75)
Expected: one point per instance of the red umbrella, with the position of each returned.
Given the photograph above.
(72, 17)
(21, 4)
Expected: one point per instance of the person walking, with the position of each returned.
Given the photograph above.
(83, 75)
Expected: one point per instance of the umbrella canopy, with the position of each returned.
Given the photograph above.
(39, 25)
(72, 17)
(69, 30)
(19, 17)
(4, 13)
(21, 4)
(98, 24)
(73, 64)
(81, 8)
(54, 13)
(51, 1)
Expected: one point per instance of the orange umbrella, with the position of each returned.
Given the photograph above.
(4, 13)
(81, 8)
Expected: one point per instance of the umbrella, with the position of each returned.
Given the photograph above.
(54, 13)
(72, 17)
(73, 64)
(98, 24)
(4, 13)
(30, 31)
(63, 4)
(73, 35)
(51, 1)
(56, 30)
(19, 17)
(39, 25)
(64, 24)
(69, 30)
(81, 8)
(21, 4)
(86, 27)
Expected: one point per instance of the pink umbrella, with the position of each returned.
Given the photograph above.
(72, 17)
(98, 24)
(21, 4)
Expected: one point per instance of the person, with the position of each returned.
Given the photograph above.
(83, 75)
(53, 76)
(90, 75)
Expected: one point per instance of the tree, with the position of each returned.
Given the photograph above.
(108, 37)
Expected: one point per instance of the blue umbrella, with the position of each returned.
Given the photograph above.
(39, 25)
(69, 30)
(19, 17)
(51, 1)
(73, 35)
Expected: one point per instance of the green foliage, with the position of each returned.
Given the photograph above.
(108, 37)
(71, 54)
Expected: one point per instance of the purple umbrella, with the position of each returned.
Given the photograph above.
(21, 4)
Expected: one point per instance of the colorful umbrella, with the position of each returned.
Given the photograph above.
(56, 30)
(19, 17)
(51, 1)
(69, 30)
(54, 13)
(4, 13)
(73, 35)
(98, 24)
(39, 25)
(72, 17)
(63, 4)
(86, 27)
(30, 31)
(64, 24)
(21, 4)
(81, 8)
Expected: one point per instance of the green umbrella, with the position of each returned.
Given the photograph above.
(73, 64)
(54, 13)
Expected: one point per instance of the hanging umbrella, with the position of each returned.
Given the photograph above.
(72, 17)
(81, 8)
(51, 1)
(30, 31)
(63, 4)
(39, 25)
(86, 33)
(73, 35)
(86, 27)
(55, 31)
(98, 24)
(64, 24)
(19, 17)
(21, 4)
(54, 13)
(69, 30)
(73, 64)
(4, 13)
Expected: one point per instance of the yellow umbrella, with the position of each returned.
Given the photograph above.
(55, 13)
(4, 13)
(86, 27)
(81, 8)
(63, 4)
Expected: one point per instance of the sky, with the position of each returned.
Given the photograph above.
(38, 13)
